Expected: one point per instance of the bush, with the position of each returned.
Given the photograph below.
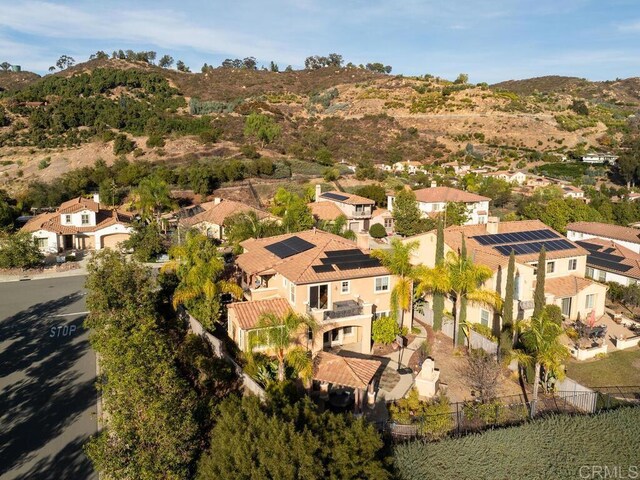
(384, 330)
(155, 141)
(19, 251)
(249, 151)
(377, 231)
(44, 163)
(554, 313)
(433, 418)
(122, 145)
(483, 330)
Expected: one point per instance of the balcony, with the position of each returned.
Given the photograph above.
(361, 213)
(340, 310)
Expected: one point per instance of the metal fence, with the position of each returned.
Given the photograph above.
(472, 417)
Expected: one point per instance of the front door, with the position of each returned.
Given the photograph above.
(319, 297)
(566, 307)
(67, 242)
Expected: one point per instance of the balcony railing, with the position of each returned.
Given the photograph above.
(361, 214)
(344, 309)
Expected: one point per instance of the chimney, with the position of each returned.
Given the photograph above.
(96, 197)
(318, 192)
(217, 200)
(492, 225)
(362, 241)
(434, 184)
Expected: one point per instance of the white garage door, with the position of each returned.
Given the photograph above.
(112, 241)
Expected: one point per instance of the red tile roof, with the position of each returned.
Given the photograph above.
(447, 194)
(325, 210)
(78, 204)
(217, 214)
(345, 371)
(351, 199)
(248, 313)
(606, 230)
(51, 223)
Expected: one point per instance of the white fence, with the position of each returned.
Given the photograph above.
(577, 395)
(622, 344)
(587, 353)
(426, 317)
(480, 341)
(217, 346)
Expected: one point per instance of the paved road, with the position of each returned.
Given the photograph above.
(47, 373)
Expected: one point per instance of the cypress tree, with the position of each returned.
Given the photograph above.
(438, 298)
(463, 301)
(538, 295)
(506, 337)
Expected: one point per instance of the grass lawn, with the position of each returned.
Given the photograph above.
(619, 368)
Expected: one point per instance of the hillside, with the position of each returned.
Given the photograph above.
(325, 115)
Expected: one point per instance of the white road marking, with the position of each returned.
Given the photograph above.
(70, 314)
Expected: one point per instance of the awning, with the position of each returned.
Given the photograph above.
(344, 371)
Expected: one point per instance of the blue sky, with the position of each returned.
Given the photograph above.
(491, 40)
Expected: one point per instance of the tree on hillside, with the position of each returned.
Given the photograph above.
(199, 267)
(166, 61)
(262, 127)
(462, 79)
(379, 67)
(281, 335)
(273, 67)
(5, 66)
(539, 300)
(99, 55)
(182, 67)
(296, 215)
(397, 259)
(406, 214)
(459, 277)
(438, 297)
(64, 62)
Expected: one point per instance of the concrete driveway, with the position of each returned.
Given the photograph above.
(47, 374)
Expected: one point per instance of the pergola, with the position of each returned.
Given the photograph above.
(356, 373)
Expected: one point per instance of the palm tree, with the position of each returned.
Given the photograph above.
(244, 225)
(280, 334)
(459, 277)
(542, 349)
(198, 266)
(398, 261)
(152, 197)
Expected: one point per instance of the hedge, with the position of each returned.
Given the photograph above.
(555, 447)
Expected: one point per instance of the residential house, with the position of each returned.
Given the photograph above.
(210, 217)
(315, 273)
(409, 167)
(458, 169)
(433, 201)
(491, 244)
(385, 167)
(357, 209)
(626, 236)
(384, 218)
(608, 261)
(79, 224)
(537, 181)
(517, 178)
(600, 158)
(569, 191)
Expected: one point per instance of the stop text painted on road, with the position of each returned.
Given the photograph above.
(62, 331)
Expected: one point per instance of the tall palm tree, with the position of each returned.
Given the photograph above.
(152, 197)
(459, 277)
(542, 349)
(397, 259)
(198, 267)
(280, 333)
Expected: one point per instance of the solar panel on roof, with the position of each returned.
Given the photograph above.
(515, 237)
(606, 256)
(615, 266)
(340, 253)
(526, 248)
(334, 196)
(322, 268)
(290, 246)
(367, 263)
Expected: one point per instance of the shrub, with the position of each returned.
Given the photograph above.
(19, 251)
(384, 330)
(249, 151)
(483, 330)
(155, 141)
(377, 231)
(122, 145)
(554, 313)
(433, 417)
(44, 163)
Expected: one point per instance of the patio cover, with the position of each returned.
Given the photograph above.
(344, 371)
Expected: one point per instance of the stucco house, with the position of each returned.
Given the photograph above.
(410, 167)
(433, 201)
(330, 205)
(569, 191)
(79, 224)
(608, 261)
(315, 273)
(626, 236)
(491, 245)
(210, 217)
(517, 177)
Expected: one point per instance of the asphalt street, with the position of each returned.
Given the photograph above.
(47, 374)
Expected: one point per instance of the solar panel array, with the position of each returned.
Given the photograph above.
(290, 246)
(534, 247)
(515, 237)
(604, 258)
(334, 196)
(351, 259)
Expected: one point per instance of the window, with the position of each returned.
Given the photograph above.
(484, 317)
(42, 242)
(285, 282)
(378, 315)
(602, 276)
(388, 223)
(573, 263)
(319, 296)
(590, 299)
(345, 286)
(551, 266)
(84, 219)
(535, 267)
(309, 334)
(590, 272)
(382, 284)
(67, 219)
(566, 307)
(292, 292)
